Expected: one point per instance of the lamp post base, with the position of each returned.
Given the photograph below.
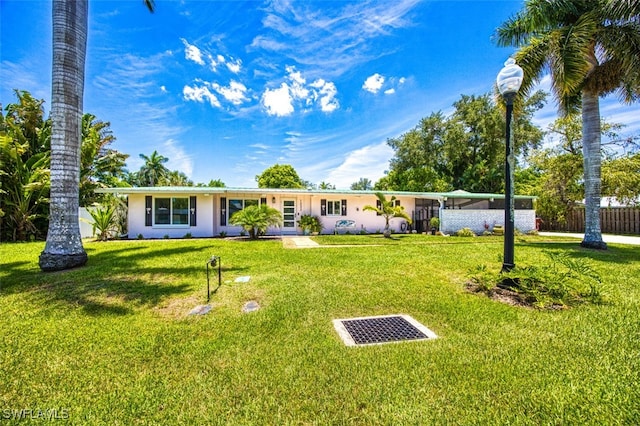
(507, 267)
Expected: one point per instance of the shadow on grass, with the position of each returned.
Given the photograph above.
(114, 281)
(616, 253)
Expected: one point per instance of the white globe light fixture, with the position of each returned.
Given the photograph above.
(510, 78)
(509, 81)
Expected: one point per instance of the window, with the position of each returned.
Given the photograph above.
(237, 205)
(171, 211)
(333, 208)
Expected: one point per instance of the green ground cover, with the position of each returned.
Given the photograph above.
(111, 343)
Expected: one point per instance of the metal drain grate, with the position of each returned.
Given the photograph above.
(381, 329)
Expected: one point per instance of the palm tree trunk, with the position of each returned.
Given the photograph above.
(592, 159)
(64, 249)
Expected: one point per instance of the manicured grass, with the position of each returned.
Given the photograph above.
(112, 343)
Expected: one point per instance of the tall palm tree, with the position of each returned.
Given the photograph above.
(590, 48)
(153, 170)
(63, 249)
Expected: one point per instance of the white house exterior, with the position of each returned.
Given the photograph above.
(158, 212)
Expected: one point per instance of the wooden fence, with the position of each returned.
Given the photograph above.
(613, 220)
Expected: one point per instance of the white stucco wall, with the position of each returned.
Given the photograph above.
(86, 227)
(453, 220)
(136, 219)
(209, 205)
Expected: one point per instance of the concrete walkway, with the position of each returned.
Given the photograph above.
(607, 238)
(299, 242)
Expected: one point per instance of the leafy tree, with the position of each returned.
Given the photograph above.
(24, 169)
(175, 178)
(63, 249)
(280, 176)
(326, 185)
(213, 183)
(256, 219)
(590, 48)
(462, 151)
(100, 166)
(621, 179)
(363, 184)
(388, 209)
(27, 190)
(555, 174)
(153, 171)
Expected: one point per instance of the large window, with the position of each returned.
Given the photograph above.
(171, 211)
(333, 208)
(237, 205)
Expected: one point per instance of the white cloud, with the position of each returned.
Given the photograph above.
(234, 66)
(331, 40)
(369, 162)
(178, 158)
(200, 94)
(234, 93)
(192, 53)
(390, 91)
(163, 89)
(278, 102)
(328, 92)
(373, 83)
(282, 101)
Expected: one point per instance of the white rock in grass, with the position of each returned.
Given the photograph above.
(250, 306)
(200, 310)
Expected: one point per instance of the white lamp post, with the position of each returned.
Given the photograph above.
(509, 81)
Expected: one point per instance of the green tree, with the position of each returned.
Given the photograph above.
(326, 185)
(100, 166)
(363, 184)
(387, 209)
(63, 249)
(175, 178)
(213, 183)
(25, 192)
(555, 174)
(621, 179)
(256, 219)
(280, 176)
(590, 48)
(462, 151)
(153, 171)
(24, 169)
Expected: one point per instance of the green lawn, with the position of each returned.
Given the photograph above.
(111, 343)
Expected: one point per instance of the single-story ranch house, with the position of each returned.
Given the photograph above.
(157, 212)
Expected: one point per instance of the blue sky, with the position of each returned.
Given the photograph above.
(225, 89)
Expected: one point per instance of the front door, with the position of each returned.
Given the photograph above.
(289, 216)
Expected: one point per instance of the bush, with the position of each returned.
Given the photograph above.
(563, 282)
(465, 232)
(104, 221)
(434, 222)
(256, 219)
(310, 223)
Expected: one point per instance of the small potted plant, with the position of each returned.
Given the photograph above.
(434, 223)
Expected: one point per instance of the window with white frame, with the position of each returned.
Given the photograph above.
(171, 211)
(334, 208)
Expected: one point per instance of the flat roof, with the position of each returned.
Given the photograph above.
(273, 191)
